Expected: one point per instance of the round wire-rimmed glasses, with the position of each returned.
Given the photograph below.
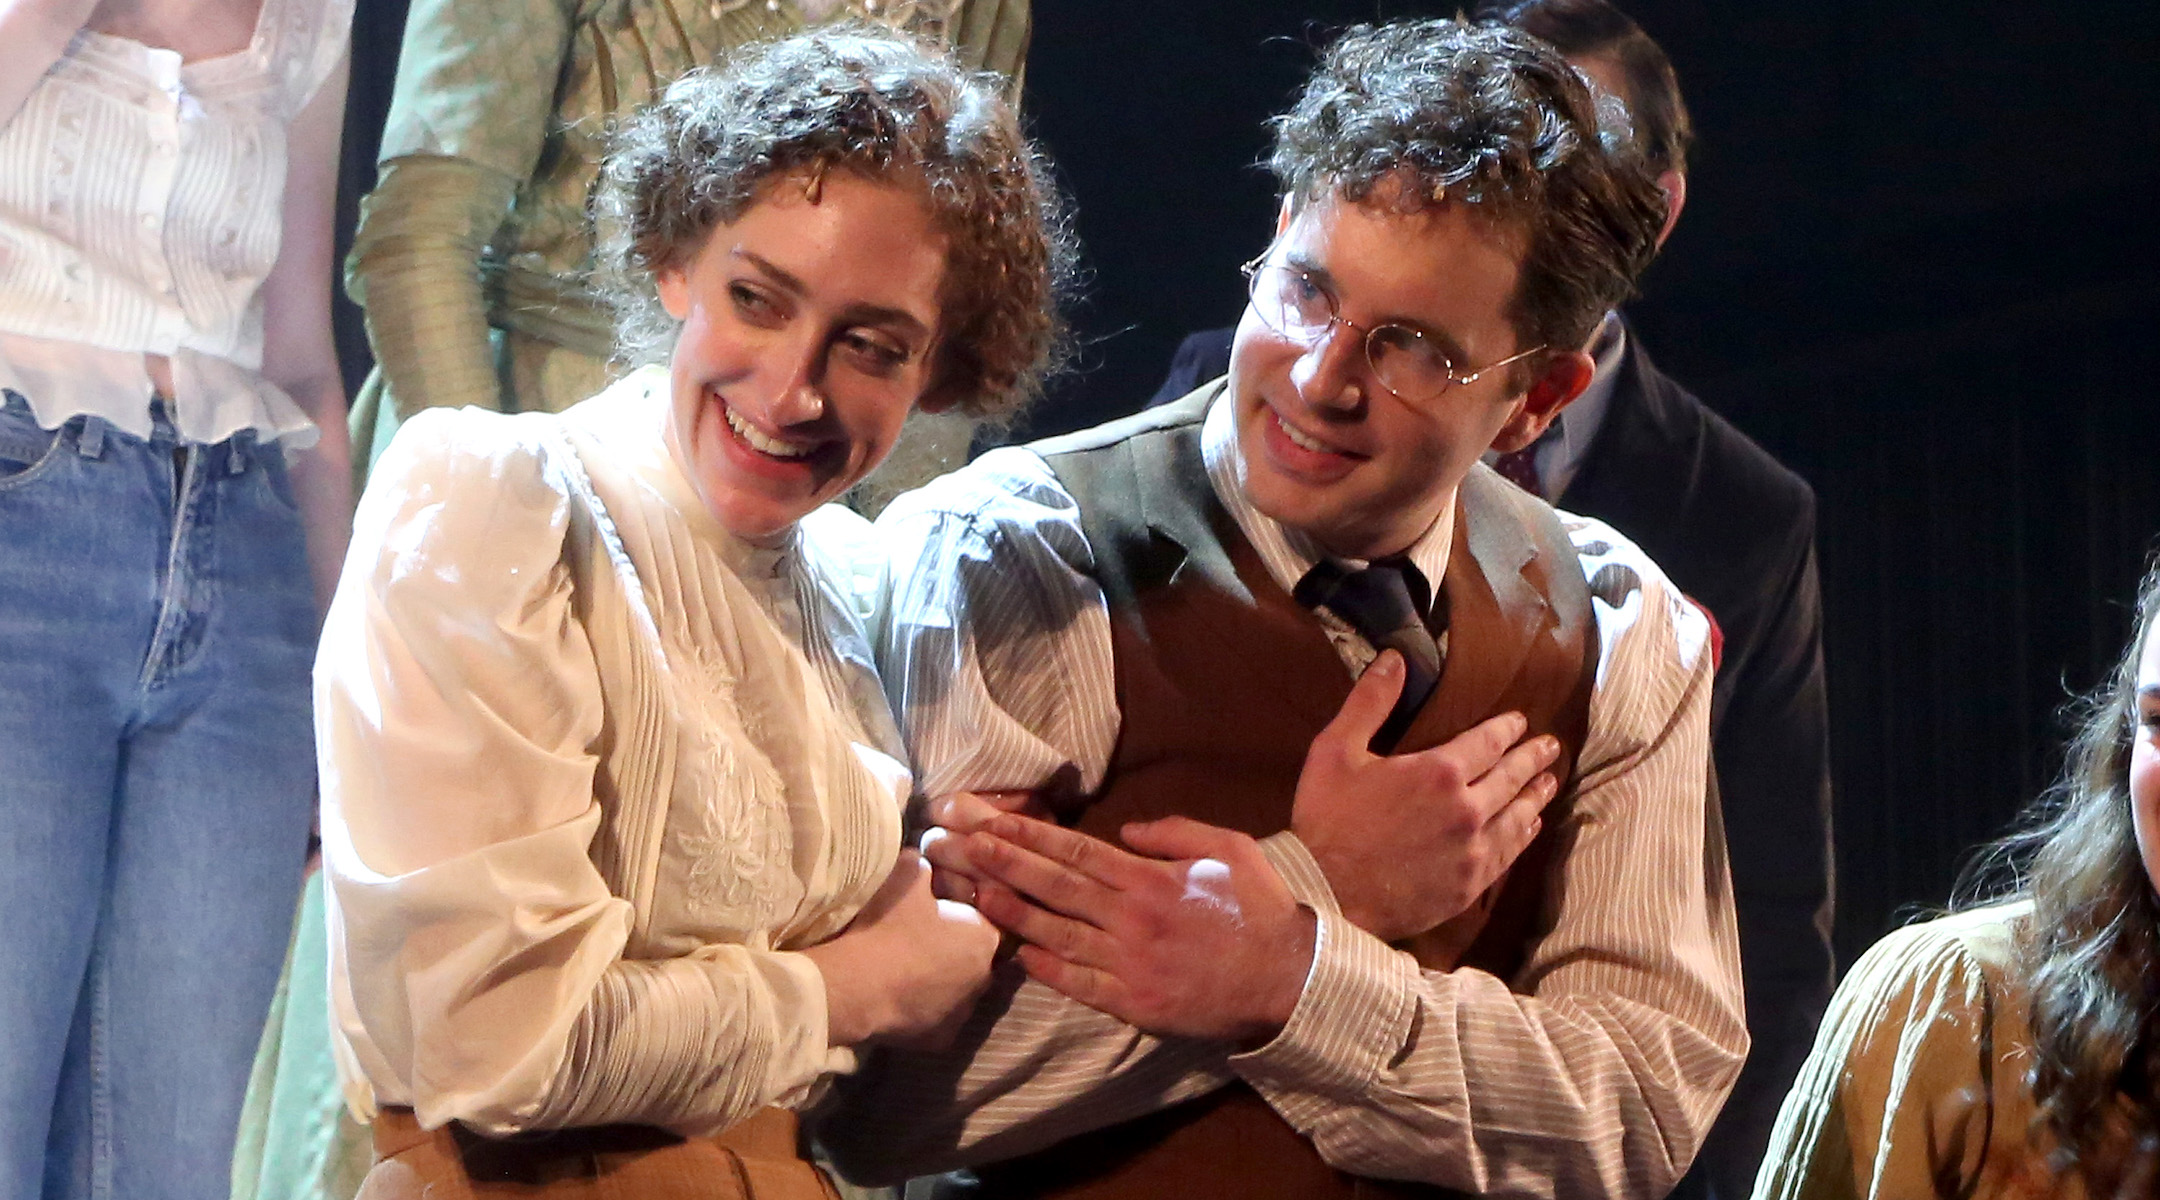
(1407, 363)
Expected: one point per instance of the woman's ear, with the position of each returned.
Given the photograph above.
(674, 288)
(1564, 378)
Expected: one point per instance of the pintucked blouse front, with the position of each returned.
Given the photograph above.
(594, 772)
(141, 204)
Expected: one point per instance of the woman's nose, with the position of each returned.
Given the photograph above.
(801, 396)
(798, 404)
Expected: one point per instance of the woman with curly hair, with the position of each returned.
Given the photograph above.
(2011, 1050)
(612, 800)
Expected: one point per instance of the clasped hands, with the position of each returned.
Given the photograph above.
(1187, 929)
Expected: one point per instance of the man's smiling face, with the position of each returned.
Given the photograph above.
(1329, 450)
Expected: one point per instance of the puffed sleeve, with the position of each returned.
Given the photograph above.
(477, 969)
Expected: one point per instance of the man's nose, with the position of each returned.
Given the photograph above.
(1331, 372)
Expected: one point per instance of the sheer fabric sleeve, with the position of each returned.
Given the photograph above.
(994, 35)
(415, 266)
(474, 97)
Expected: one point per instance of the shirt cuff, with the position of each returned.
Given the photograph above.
(1300, 871)
(1353, 1017)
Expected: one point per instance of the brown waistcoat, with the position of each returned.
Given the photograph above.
(1223, 681)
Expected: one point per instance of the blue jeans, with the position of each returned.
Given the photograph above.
(156, 780)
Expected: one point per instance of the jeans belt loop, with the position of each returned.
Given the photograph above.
(90, 443)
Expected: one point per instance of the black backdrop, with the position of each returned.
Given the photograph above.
(1917, 264)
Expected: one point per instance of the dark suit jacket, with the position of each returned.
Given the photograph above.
(1736, 530)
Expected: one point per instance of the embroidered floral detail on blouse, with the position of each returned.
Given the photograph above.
(731, 821)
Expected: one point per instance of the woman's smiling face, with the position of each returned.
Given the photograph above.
(810, 329)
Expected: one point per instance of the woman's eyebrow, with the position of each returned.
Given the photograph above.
(786, 281)
(868, 313)
(879, 314)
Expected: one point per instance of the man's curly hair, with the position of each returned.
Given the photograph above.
(861, 99)
(1442, 111)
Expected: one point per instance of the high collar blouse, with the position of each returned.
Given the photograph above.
(141, 204)
(594, 771)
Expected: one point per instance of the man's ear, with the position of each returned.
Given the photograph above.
(1674, 185)
(1563, 378)
(674, 288)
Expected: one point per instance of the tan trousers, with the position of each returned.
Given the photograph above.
(756, 1159)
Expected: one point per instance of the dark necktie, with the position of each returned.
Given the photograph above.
(1519, 467)
(1385, 603)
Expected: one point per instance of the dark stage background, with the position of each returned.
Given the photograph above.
(1917, 264)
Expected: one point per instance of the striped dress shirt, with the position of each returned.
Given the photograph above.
(1596, 1070)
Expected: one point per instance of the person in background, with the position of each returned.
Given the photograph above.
(1736, 531)
(167, 177)
(2011, 1050)
(611, 797)
(1156, 625)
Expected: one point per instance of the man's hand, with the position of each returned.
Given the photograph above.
(952, 875)
(1194, 935)
(1410, 840)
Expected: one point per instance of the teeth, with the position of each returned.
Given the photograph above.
(759, 442)
(1301, 440)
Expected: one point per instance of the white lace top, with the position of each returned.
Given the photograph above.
(592, 770)
(140, 212)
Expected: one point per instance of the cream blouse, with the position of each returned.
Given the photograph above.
(141, 205)
(593, 770)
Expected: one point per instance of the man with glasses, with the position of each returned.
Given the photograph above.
(1735, 530)
(1261, 956)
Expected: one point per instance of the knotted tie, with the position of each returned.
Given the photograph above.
(1385, 603)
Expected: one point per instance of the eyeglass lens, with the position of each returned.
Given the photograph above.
(1402, 359)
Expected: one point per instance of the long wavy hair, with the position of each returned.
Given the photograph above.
(2090, 951)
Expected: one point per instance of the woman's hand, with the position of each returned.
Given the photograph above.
(908, 967)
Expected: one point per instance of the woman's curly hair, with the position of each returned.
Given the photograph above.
(1446, 111)
(864, 100)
